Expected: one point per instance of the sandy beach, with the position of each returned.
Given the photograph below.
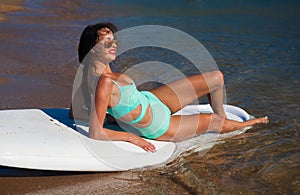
(129, 182)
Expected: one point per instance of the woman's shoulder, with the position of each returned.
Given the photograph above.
(106, 77)
(116, 76)
(109, 78)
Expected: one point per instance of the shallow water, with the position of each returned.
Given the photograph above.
(256, 45)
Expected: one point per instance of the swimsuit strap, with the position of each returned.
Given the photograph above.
(116, 83)
(121, 87)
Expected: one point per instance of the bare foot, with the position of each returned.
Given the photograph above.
(230, 125)
(264, 120)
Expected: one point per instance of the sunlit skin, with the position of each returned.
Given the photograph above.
(175, 95)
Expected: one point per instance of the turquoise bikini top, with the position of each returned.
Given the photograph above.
(130, 98)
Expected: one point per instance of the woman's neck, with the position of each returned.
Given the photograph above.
(101, 68)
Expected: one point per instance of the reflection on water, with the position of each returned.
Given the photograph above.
(256, 44)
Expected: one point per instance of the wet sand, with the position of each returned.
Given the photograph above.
(129, 182)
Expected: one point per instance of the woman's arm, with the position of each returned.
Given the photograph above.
(96, 131)
(77, 110)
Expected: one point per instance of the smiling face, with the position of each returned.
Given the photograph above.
(106, 46)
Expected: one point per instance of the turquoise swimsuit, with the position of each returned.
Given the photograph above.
(130, 98)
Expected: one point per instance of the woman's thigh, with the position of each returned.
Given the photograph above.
(186, 126)
(182, 92)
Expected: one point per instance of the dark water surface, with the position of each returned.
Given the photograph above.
(255, 43)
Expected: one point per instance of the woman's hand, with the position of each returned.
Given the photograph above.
(136, 140)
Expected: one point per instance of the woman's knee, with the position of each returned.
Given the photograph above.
(214, 78)
(219, 77)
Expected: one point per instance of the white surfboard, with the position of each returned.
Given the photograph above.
(46, 139)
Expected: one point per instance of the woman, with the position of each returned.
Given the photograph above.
(149, 113)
